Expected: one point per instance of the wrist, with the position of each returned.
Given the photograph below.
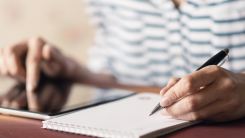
(70, 70)
(77, 72)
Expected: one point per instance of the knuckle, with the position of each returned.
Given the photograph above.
(173, 79)
(215, 69)
(230, 85)
(34, 41)
(173, 96)
(9, 50)
(195, 116)
(190, 103)
(188, 81)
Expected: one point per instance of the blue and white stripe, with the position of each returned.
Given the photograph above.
(146, 42)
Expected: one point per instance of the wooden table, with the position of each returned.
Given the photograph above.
(16, 127)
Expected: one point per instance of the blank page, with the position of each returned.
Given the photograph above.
(125, 116)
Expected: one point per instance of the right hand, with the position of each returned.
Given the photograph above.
(25, 60)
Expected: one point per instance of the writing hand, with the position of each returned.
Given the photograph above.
(212, 93)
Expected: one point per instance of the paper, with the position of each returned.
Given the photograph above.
(129, 115)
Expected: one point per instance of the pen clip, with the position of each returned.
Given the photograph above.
(224, 60)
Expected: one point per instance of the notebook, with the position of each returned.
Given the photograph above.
(125, 118)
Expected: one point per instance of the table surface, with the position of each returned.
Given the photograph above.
(17, 127)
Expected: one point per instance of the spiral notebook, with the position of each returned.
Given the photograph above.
(126, 118)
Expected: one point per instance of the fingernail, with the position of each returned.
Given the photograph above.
(165, 102)
(30, 86)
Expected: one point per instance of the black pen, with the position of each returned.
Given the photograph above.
(215, 60)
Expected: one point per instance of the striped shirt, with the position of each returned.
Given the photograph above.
(146, 42)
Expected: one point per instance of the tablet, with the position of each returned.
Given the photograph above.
(54, 99)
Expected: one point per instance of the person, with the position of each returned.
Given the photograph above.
(152, 43)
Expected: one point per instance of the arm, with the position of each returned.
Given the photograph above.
(25, 60)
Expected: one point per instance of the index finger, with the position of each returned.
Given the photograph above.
(33, 61)
(190, 83)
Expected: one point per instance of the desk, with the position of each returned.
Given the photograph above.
(16, 127)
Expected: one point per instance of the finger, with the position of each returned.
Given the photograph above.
(20, 101)
(47, 52)
(53, 60)
(33, 101)
(33, 61)
(203, 113)
(190, 83)
(14, 66)
(170, 84)
(19, 49)
(3, 68)
(194, 101)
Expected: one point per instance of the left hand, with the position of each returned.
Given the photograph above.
(212, 93)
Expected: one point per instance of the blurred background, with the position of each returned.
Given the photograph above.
(62, 23)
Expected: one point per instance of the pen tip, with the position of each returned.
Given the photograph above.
(226, 51)
(150, 114)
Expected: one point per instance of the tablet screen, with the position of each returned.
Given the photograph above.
(55, 97)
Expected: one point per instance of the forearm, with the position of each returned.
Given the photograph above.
(85, 76)
(98, 79)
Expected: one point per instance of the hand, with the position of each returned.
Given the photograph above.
(25, 60)
(212, 93)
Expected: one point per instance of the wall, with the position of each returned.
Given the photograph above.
(62, 23)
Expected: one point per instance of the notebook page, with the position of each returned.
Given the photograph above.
(129, 115)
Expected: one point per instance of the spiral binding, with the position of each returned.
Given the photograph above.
(89, 131)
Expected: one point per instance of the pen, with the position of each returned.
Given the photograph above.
(215, 60)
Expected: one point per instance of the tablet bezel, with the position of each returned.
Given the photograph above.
(46, 116)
